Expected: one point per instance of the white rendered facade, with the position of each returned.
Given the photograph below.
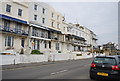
(48, 25)
(45, 30)
(13, 26)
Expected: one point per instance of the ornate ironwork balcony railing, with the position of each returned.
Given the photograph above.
(13, 30)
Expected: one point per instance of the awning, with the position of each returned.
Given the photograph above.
(45, 28)
(69, 35)
(39, 26)
(12, 19)
(56, 31)
(94, 38)
(80, 38)
(52, 30)
(41, 38)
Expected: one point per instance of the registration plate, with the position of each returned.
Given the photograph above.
(102, 74)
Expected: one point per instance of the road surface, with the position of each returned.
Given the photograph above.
(76, 69)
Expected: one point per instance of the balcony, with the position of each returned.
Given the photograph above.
(78, 43)
(41, 34)
(13, 30)
(94, 37)
(47, 35)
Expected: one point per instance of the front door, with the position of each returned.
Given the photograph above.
(22, 42)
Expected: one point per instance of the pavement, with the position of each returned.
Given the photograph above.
(66, 70)
(24, 65)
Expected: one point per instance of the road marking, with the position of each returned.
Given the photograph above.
(58, 72)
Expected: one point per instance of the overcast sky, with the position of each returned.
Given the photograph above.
(100, 17)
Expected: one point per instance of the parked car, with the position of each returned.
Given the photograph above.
(105, 67)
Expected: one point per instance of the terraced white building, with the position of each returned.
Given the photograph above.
(27, 26)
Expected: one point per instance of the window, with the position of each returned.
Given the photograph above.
(33, 32)
(36, 32)
(49, 35)
(52, 24)
(64, 29)
(19, 12)
(68, 47)
(73, 31)
(79, 34)
(9, 40)
(8, 8)
(74, 48)
(68, 29)
(45, 42)
(43, 10)
(58, 17)
(22, 42)
(49, 44)
(7, 25)
(76, 32)
(52, 15)
(18, 27)
(36, 44)
(58, 25)
(105, 60)
(42, 34)
(57, 46)
(35, 17)
(43, 20)
(35, 7)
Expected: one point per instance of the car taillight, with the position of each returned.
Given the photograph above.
(116, 67)
(93, 65)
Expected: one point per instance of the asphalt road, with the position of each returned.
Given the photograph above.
(77, 69)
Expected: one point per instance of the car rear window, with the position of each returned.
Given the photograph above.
(105, 60)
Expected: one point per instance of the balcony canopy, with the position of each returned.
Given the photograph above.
(12, 19)
(45, 28)
(54, 30)
(80, 38)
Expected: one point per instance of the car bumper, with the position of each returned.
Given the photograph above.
(111, 76)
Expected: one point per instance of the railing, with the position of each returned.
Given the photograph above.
(44, 35)
(13, 30)
(38, 34)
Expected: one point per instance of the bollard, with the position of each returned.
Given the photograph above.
(14, 61)
(53, 58)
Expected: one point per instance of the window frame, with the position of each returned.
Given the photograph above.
(9, 41)
(8, 8)
(35, 17)
(49, 45)
(57, 46)
(58, 25)
(35, 7)
(43, 10)
(43, 20)
(7, 25)
(52, 14)
(45, 44)
(58, 17)
(20, 12)
(52, 24)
